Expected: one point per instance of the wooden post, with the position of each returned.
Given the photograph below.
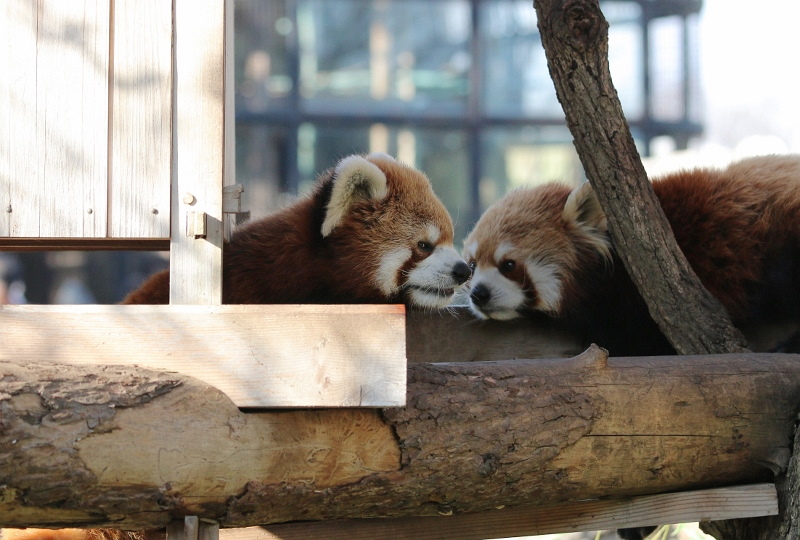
(198, 150)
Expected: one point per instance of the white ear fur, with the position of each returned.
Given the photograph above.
(380, 155)
(355, 179)
(583, 209)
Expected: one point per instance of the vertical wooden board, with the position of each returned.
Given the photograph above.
(198, 150)
(72, 116)
(230, 106)
(19, 173)
(141, 124)
(5, 112)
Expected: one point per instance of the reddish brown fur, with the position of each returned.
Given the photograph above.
(738, 227)
(730, 223)
(283, 258)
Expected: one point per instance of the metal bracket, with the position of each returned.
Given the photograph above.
(196, 224)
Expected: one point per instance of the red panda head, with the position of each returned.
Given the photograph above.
(390, 236)
(528, 248)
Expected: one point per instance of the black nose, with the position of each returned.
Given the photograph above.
(461, 272)
(480, 294)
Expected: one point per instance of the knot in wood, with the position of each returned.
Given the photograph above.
(583, 19)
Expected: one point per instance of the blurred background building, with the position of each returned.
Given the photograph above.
(460, 89)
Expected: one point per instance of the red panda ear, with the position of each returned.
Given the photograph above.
(583, 208)
(355, 179)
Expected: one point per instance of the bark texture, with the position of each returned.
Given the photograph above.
(575, 38)
(133, 449)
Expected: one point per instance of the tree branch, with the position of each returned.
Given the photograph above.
(575, 38)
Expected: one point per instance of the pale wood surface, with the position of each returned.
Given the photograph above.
(131, 448)
(72, 117)
(708, 504)
(260, 356)
(198, 150)
(55, 93)
(19, 173)
(141, 126)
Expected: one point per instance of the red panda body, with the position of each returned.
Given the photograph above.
(372, 231)
(547, 250)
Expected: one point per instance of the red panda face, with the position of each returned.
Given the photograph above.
(526, 248)
(389, 230)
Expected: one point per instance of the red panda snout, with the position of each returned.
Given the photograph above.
(435, 280)
(506, 291)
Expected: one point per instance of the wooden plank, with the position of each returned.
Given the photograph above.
(456, 336)
(83, 244)
(187, 528)
(260, 356)
(72, 117)
(141, 124)
(208, 530)
(198, 150)
(19, 175)
(703, 505)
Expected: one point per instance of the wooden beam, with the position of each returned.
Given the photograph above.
(198, 150)
(259, 356)
(84, 244)
(703, 505)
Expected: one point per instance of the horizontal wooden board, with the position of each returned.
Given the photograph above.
(260, 356)
(703, 505)
(84, 244)
(456, 335)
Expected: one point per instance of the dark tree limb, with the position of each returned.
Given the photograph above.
(575, 38)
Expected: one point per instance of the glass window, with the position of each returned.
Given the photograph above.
(458, 88)
(515, 69)
(666, 73)
(263, 65)
(526, 156)
(384, 56)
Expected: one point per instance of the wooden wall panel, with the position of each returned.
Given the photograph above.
(55, 121)
(19, 172)
(141, 122)
(72, 117)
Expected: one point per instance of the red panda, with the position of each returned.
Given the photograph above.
(547, 250)
(372, 231)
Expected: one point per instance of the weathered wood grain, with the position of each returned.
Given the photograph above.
(260, 356)
(140, 135)
(683, 507)
(55, 121)
(130, 448)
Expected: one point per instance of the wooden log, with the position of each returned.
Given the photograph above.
(130, 448)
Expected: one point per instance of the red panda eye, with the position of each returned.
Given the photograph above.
(507, 266)
(472, 265)
(424, 246)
